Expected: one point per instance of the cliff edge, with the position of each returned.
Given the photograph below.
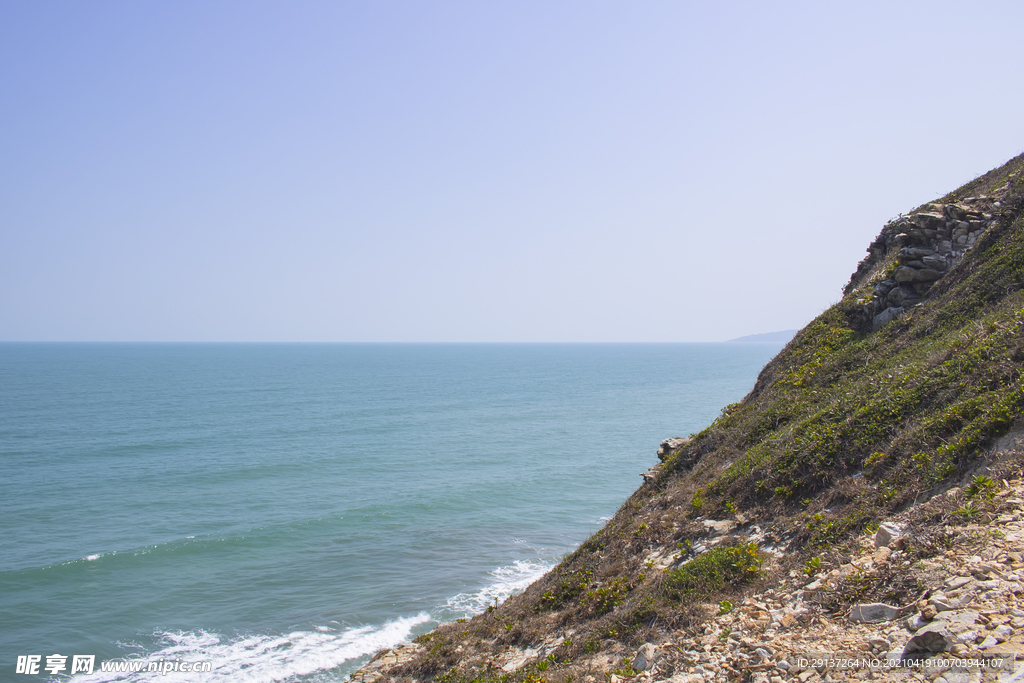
(858, 511)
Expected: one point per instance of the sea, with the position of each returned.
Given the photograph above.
(280, 512)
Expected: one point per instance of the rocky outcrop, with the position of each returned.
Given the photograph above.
(926, 245)
(385, 659)
(810, 535)
(671, 444)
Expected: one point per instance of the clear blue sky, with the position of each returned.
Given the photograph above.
(475, 171)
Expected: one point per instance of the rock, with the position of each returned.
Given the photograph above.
(1002, 633)
(650, 474)
(987, 643)
(933, 637)
(873, 613)
(904, 274)
(906, 295)
(930, 221)
(884, 287)
(519, 658)
(671, 444)
(967, 637)
(907, 274)
(955, 582)
(878, 643)
(942, 603)
(929, 613)
(958, 620)
(957, 211)
(783, 664)
(911, 253)
(886, 316)
(886, 534)
(917, 621)
(720, 527)
(644, 659)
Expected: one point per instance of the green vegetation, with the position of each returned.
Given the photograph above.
(606, 598)
(981, 486)
(846, 425)
(707, 574)
(905, 407)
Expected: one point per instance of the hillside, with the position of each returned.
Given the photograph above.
(909, 386)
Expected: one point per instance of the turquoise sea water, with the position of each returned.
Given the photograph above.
(283, 510)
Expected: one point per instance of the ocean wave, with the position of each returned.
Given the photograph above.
(263, 658)
(507, 581)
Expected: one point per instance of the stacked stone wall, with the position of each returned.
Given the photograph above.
(927, 244)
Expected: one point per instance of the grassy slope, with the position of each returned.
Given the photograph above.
(843, 427)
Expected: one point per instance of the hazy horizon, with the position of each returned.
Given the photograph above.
(457, 172)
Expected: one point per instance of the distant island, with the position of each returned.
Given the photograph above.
(783, 336)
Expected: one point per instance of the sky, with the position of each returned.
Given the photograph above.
(475, 171)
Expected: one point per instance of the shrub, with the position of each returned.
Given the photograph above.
(704, 575)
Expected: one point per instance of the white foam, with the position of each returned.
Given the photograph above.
(93, 558)
(264, 658)
(507, 581)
